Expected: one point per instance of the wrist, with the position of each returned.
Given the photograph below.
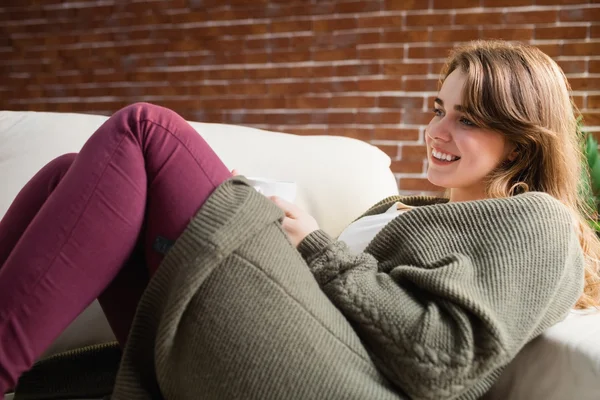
(313, 244)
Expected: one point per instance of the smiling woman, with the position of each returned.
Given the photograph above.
(425, 298)
(461, 155)
(504, 124)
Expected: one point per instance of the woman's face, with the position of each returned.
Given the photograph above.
(460, 155)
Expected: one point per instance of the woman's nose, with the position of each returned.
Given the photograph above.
(439, 131)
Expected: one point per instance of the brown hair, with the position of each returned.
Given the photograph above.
(521, 92)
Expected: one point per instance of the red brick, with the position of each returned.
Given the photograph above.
(573, 66)
(375, 117)
(480, 18)
(247, 88)
(334, 86)
(266, 73)
(507, 3)
(304, 41)
(354, 133)
(291, 26)
(356, 70)
(381, 53)
(444, 4)
(220, 74)
(585, 83)
(418, 184)
(380, 21)
(581, 49)
(353, 102)
(558, 2)
(579, 101)
(400, 102)
(429, 20)
(390, 150)
(379, 85)
(405, 36)
(331, 55)
(522, 34)
(352, 39)
(413, 152)
(290, 56)
(261, 103)
(421, 85)
(553, 50)
(406, 5)
(356, 7)
(288, 88)
(580, 14)
(307, 102)
(395, 134)
(594, 66)
(595, 31)
(454, 35)
(561, 32)
(407, 167)
(254, 58)
(531, 17)
(429, 52)
(593, 101)
(303, 9)
(218, 104)
(591, 119)
(400, 69)
(328, 25)
(416, 117)
(345, 118)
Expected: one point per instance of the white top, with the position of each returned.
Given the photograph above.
(359, 234)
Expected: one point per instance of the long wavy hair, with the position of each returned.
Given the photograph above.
(521, 92)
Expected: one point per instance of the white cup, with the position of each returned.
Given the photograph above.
(271, 187)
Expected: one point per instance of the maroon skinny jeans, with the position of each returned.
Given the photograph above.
(84, 226)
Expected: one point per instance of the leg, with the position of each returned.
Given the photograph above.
(144, 168)
(127, 286)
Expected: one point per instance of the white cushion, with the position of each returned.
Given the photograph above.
(562, 363)
(338, 178)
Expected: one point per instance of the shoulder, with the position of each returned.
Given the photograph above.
(542, 203)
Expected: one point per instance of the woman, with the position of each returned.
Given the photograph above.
(421, 297)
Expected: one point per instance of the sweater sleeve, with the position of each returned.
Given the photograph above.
(443, 319)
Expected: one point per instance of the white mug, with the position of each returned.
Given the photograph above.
(271, 187)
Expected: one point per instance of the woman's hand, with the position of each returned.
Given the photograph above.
(297, 223)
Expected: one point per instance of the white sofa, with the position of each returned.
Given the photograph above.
(338, 178)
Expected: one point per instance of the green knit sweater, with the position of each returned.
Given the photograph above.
(440, 301)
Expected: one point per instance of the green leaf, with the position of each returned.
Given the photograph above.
(591, 150)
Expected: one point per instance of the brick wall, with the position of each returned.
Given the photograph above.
(363, 69)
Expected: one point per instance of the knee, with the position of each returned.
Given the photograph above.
(141, 110)
(62, 163)
(58, 168)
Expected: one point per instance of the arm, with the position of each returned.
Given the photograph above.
(446, 315)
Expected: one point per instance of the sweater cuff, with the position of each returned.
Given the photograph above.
(313, 244)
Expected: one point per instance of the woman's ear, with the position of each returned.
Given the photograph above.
(513, 152)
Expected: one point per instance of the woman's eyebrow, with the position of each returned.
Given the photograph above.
(456, 107)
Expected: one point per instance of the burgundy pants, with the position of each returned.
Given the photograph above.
(84, 226)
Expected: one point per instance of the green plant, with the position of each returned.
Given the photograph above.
(590, 184)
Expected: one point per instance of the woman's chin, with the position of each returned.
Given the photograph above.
(436, 180)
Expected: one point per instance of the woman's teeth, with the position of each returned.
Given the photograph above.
(443, 156)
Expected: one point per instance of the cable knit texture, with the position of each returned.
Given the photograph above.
(442, 299)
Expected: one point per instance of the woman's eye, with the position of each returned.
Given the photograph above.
(438, 112)
(466, 122)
